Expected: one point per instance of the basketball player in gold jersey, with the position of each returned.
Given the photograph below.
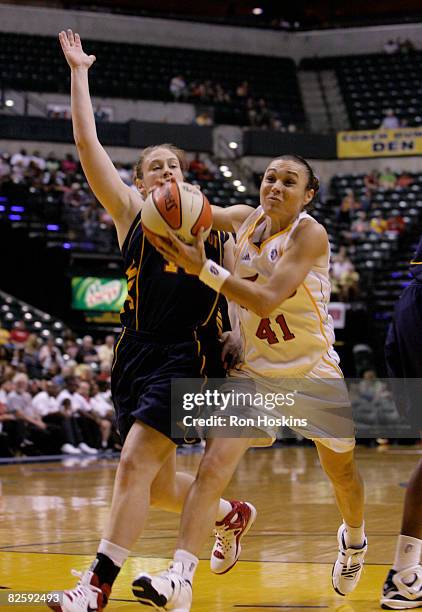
(288, 333)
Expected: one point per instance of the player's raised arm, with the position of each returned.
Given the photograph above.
(231, 218)
(120, 201)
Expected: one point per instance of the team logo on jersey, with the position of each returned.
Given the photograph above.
(246, 257)
(273, 254)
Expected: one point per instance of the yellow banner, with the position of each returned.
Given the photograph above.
(379, 143)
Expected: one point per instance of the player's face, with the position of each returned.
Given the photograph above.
(283, 188)
(159, 166)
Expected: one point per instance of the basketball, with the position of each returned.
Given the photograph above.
(179, 207)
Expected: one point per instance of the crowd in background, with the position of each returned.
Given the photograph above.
(260, 114)
(55, 394)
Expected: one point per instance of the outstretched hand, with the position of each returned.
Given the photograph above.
(190, 258)
(73, 52)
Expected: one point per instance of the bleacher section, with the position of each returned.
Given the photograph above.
(382, 260)
(64, 212)
(42, 324)
(35, 63)
(370, 84)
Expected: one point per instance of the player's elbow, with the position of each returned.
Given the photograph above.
(263, 308)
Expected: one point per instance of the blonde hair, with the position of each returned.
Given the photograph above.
(179, 153)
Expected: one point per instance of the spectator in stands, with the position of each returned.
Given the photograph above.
(204, 118)
(87, 352)
(50, 354)
(242, 90)
(199, 168)
(103, 412)
(360, 225)
(80, 409)
(19, 334)
(197, 91)
(45, 401)
(407, 46)
(52, 164)
(344, 276)
(69, 165)
(378, 224)
(387, 179)
(221, 95)
(404, 180)
(371, 180)
(100, 114)
(396, 225)
(4, 337)
(391, 47)
(177, 87)
(348, 206)
(5, 168)
(390, 120)
(20, 159)
(106, 352)
(31, 356)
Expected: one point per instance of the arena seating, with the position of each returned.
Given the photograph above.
(382, 260)
(13, 310)
(65, 212)
(35, 63)
(371, 84)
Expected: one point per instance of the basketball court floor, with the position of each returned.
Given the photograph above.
(51, 516)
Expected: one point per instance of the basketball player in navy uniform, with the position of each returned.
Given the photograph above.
(403, 350)
(163, 310)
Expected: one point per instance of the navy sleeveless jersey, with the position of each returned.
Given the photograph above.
(403, 347)
(163, 299)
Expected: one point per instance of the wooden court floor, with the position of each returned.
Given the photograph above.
(51, 516)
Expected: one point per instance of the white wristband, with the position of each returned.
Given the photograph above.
(213, 275)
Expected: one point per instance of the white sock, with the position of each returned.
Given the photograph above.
(408, 552)
(223, 509)
(116, 553)
(354, 536)
(187, 563)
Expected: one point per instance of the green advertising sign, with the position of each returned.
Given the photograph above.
(92, 293)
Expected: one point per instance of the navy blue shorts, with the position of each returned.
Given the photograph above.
(142, 371)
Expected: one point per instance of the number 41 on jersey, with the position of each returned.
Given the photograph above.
(266, 332)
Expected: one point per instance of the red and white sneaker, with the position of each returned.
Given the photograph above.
(228, 534)
(87, 596)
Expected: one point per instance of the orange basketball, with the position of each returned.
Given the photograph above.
(179, 207)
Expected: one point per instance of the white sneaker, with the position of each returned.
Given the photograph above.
(228, 534)
(88, 450)
(348, 567)
(165, 591)
(69, 449)
(403, 590)
(85, 597)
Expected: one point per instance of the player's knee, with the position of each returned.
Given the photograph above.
(341, 473)
(213, 472)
